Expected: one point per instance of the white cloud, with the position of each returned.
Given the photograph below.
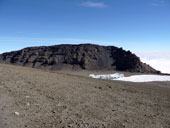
(159, 3)
(94, 4)
(158, 60)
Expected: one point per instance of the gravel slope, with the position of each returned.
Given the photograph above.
(61, 100)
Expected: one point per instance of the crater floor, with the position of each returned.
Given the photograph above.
(32, 98)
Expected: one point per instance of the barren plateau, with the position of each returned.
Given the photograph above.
(33, 98)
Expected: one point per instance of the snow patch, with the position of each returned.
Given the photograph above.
(145, 78)
(133, 78)
(108, 76)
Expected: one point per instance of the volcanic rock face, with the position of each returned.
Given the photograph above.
(84, 56)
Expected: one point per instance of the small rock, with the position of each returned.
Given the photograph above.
(100, 87)
(70, 126)
(16, 113)
(123, 125)
(27, 96)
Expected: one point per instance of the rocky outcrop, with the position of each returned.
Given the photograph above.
(83, 56)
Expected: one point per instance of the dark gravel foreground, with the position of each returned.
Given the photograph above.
(31, 98)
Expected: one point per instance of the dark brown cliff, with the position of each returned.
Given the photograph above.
(84, 56)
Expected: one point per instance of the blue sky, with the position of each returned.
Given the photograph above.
(137, 25)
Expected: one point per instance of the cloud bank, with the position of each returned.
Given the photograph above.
(158, 60)
(93, 4)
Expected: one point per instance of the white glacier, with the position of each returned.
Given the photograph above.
(133, 78)
(145, 78)
(108, 76)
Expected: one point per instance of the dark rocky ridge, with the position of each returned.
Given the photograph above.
(83, 56)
